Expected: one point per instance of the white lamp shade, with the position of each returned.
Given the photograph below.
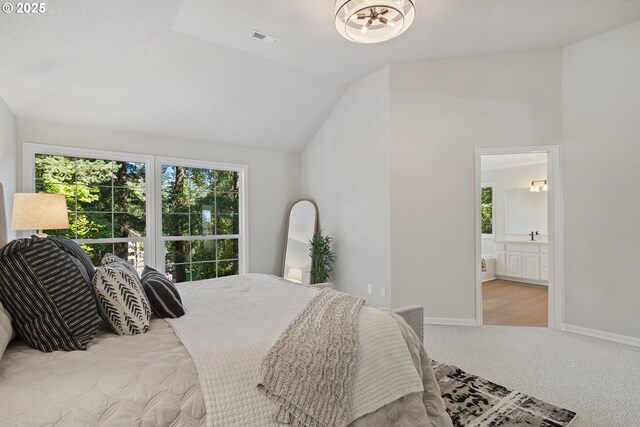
(39, 211)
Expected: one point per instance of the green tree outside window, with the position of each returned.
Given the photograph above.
(200, 203)
(106, 199)
(487, 210)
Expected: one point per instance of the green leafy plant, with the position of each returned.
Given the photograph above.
(322, 258)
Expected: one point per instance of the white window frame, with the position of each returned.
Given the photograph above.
(154, 242)
(242, 236)
(493, 209)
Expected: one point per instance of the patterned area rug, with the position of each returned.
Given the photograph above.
(474, 401)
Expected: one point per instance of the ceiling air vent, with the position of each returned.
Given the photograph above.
(265, 38)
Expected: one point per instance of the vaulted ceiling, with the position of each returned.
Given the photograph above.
(190, 68)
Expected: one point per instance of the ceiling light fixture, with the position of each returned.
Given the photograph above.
(373, 21)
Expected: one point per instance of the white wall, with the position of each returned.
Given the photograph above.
(7, 164)
(440, 112)
(601, 129)
(274, 177)
(508, 179)
(345, 170)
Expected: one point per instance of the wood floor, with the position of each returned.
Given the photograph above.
(509, 303)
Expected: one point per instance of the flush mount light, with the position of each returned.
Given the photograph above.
(373, 21)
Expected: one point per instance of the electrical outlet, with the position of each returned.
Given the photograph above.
(370, 289)
(383, 292)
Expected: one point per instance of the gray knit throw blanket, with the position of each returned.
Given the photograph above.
(310, 368)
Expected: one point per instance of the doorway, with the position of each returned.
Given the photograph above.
(518, 280)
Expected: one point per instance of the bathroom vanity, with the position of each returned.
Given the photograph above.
(526, 261)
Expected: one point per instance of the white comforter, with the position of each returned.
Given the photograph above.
(230, 326)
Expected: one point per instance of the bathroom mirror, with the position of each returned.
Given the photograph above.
(525, 211)
(302, 225)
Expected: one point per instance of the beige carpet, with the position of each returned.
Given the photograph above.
(597, 379)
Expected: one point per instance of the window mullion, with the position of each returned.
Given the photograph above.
(215, 219)
(113, 208)
(189, 219)
(75, 213)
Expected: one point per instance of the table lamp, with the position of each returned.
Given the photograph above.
(39, 211)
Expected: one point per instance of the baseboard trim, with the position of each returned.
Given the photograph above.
(488, 279)
(445, 321)
(523, 280)
(609, 336)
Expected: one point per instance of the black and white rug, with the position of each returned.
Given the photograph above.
(474, 401)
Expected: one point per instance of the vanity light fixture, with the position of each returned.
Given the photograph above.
(536, 186)
(373, 21)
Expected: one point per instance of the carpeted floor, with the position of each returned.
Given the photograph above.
(597, 379)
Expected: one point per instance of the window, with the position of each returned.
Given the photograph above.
(106, 200)
(200, 221)
(487, 199)
(186, 218)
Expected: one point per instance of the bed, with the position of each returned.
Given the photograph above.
(151, 379)
(202, 369)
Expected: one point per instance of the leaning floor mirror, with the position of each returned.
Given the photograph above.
(301, 227)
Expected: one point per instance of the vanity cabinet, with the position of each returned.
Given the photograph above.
(514, 264)
(531, 266)
(522, 260)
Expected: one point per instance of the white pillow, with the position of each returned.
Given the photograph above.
(6, 331)
(121, 300)
(111, 260)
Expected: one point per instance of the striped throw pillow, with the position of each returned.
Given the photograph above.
(51, 306)
(162, 293)
(76, 251)
(121, 300)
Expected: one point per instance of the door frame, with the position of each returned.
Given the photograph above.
(555, 225)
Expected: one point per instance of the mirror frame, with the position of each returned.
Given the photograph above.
(286, 230)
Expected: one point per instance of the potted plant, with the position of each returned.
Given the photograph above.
(322, 258)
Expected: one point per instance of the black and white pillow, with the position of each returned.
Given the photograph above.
(45, 292)
(121, 300)
(76, 251)
(162, 294)
(114, 261)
